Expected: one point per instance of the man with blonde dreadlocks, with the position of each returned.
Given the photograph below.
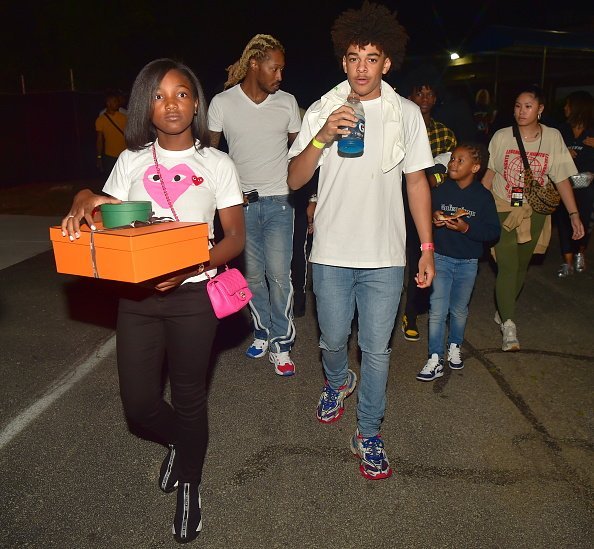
(259, 122)
(358, 253)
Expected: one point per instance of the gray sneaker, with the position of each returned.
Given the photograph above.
(565, 270)
(580, 263)
(510, 338)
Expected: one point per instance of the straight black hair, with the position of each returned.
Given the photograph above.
(534, 90)
(140, 132)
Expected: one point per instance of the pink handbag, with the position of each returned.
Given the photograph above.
(228, 292)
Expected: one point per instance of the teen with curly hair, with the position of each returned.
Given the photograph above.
(358, 251)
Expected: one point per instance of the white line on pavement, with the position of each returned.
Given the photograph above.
(54, 392)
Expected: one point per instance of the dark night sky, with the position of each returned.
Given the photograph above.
(106, 43)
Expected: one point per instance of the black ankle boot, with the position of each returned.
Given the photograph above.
(168, 475)
(187, 523)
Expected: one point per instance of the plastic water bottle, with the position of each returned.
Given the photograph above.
(352, 144)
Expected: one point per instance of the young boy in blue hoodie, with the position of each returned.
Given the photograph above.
(465, 218)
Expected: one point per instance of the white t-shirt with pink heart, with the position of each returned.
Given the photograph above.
(198, 183)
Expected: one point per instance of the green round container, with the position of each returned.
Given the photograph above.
(118, 215)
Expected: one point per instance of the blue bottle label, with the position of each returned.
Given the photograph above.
(352, 144)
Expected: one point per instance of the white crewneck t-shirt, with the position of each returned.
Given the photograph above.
(257, 136)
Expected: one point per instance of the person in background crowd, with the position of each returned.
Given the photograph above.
(442, 140)
(578, 134)
(303, 199)
(454, 110)
(484, 115)
(110, 127)
(525, 231)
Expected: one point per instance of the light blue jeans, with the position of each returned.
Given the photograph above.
(450, 293)
(268, 252)
(375, 293)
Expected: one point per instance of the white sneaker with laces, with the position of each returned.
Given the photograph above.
(455, 357)
(510, 338)
(283, 365)
(433, 369)
(257, 349)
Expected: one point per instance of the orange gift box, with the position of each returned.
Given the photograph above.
(131, 254)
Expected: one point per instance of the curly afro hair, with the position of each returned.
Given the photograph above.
(372, 24)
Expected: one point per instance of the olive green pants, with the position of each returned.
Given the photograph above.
(512, 264)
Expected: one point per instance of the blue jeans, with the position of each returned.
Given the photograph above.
(451, 291)
(376, 295)
(268, 252)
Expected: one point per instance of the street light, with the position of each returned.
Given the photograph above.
(454, 56)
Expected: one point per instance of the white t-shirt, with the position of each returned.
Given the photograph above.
(257, 136)
(197, 182)
(359, 217)
(548, 157)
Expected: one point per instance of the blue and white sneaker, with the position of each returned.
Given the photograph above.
(331, 403)
(433, 369)
(374, 463)
(455, 357)
(257, 349)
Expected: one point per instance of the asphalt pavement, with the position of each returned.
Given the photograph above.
(497, 455)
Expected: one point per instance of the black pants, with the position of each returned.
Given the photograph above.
(417, 299)
(584, 199)
(301, 241)
(180, 327)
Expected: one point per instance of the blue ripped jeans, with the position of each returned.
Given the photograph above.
(375, 293)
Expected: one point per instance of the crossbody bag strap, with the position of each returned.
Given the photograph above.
(111, 120)
(518, 137)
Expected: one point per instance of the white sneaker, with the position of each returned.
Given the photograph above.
(257, 349)
(510, 338)
(431, 370)
(283, 365)
(455, 357)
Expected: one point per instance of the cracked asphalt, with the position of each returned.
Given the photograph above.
(497, 455)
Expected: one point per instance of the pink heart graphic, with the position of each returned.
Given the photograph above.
(177, 180)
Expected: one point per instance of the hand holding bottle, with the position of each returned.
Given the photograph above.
(339, 123)
(351, 145)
